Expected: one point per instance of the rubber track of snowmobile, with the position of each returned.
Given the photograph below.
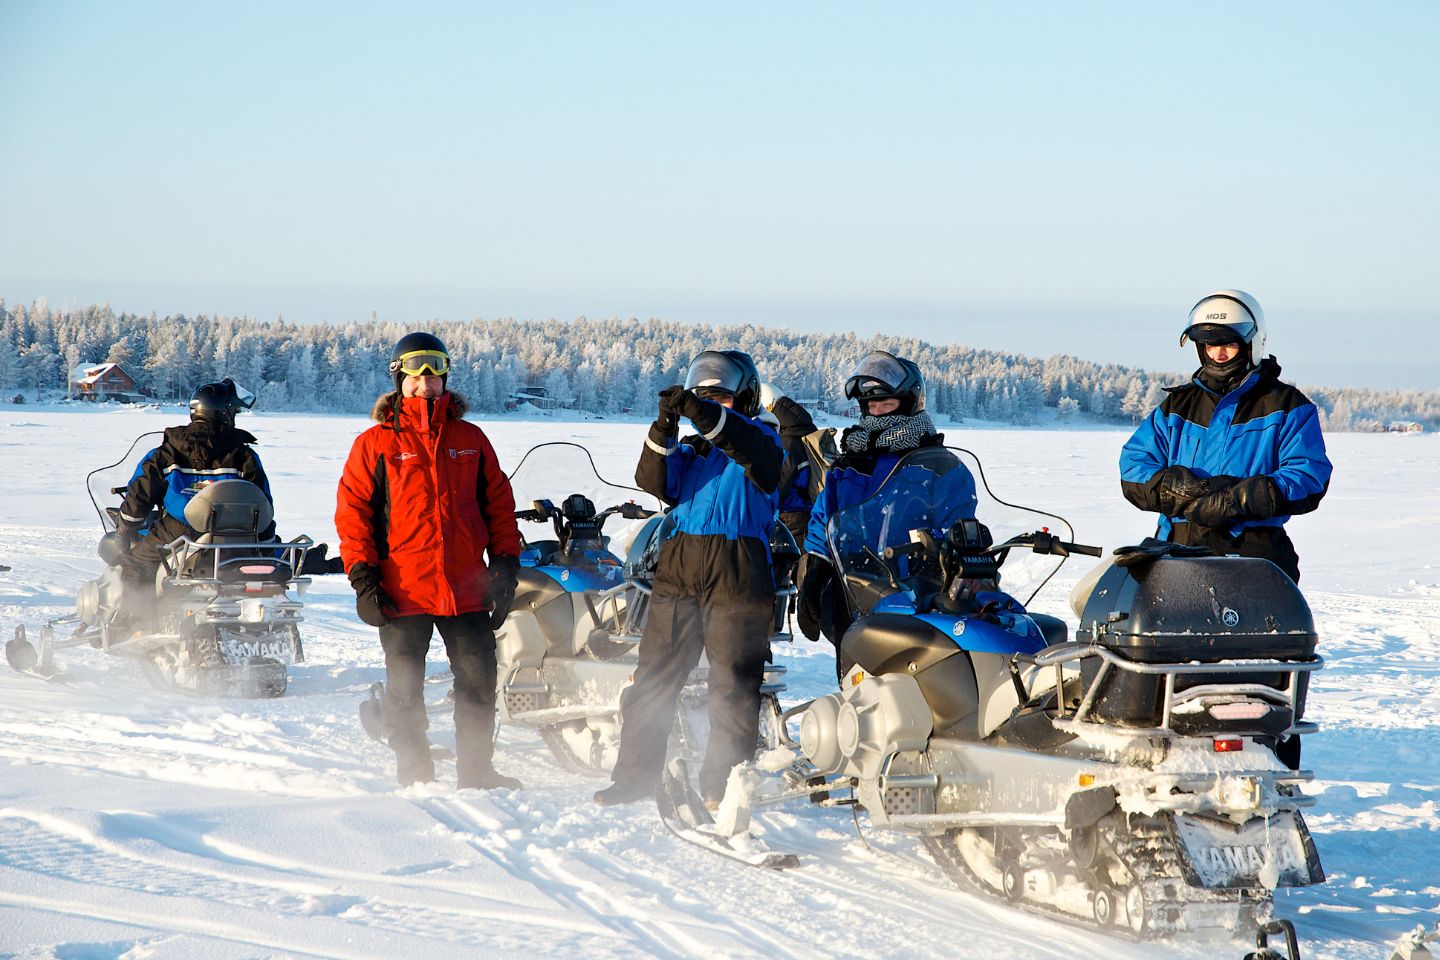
(947, 854)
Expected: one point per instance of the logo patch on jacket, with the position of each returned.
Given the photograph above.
(457, 454)
(404, 455)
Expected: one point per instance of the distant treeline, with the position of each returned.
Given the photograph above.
(601, 366)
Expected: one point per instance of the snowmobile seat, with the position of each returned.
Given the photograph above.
(1184, 609)
(227, 512)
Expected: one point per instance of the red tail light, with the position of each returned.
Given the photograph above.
(1229, 744)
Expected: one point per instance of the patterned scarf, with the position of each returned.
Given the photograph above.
(893, 432)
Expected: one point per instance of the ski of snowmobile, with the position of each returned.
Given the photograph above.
(684, 815)
(372, 718)
(25, 659)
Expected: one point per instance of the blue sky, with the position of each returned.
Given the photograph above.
(1029, 176)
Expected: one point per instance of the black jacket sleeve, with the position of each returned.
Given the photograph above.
(744, 441)
(795, 424)
(145, 492)
(652, 472)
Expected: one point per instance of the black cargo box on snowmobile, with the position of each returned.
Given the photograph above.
(1183, 609)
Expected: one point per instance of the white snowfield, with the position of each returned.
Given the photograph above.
(136, 823)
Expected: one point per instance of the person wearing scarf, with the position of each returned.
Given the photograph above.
(893, 423)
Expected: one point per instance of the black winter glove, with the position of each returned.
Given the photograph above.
(794, 419)
(705, 414)
(1253, 498)
(668, 419)
(316, 563)
(810, 607)
(504, 572)
(370, 599)
(1177, 488)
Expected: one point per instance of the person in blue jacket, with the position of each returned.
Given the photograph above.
(714, 588)
(1232, 455)
(893, 422)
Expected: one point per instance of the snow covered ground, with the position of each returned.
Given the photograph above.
(141, 824)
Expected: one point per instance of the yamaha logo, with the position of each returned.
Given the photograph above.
(564, 575)
(1229, 617)
(959, 628)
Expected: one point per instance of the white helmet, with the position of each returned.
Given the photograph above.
(1228, 316)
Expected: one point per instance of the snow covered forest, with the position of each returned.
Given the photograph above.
(599, 366)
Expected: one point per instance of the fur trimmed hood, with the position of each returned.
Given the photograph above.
(385, 407)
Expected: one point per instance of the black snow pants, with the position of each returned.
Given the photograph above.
(470, 645)
(711, 594)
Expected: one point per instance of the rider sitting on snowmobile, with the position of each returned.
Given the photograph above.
(714, 588)
(421, 499)
(1229, 457)
(893, 422)
(209, 448)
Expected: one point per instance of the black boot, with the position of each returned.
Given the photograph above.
(413, 763)
(487, 778)
(621, 793)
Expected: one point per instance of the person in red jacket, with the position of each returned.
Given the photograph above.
(421, 500)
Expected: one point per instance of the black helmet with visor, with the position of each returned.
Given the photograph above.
(419, 354)
(218, 403)
(881, 375)
(730, 372)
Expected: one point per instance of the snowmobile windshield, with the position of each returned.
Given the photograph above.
(102, 482)
(926, 494)
(556, 472)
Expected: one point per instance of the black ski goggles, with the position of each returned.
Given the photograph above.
(878, 377)
(422, 363)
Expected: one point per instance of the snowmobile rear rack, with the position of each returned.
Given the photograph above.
(1069, 653)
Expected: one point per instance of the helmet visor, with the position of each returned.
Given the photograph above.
(422, 363)
(1241, 331)
(713, 371)
(877, 376)
(243, 397)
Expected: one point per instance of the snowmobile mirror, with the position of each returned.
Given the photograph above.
(542, 507)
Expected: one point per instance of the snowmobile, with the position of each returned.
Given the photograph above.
(1126, 779)
(224, 616)
(570, 645)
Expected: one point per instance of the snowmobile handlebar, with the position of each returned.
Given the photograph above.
(1042, 541)
(544, 510)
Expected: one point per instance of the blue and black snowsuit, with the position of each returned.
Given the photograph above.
(714, 591)
(190, 458)
(1256, 451)
(853, 479)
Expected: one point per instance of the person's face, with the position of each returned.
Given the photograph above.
(424, 386)
(879, 408)
(1221, 352)
(726, 400)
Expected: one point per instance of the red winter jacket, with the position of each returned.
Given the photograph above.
(423, 496)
